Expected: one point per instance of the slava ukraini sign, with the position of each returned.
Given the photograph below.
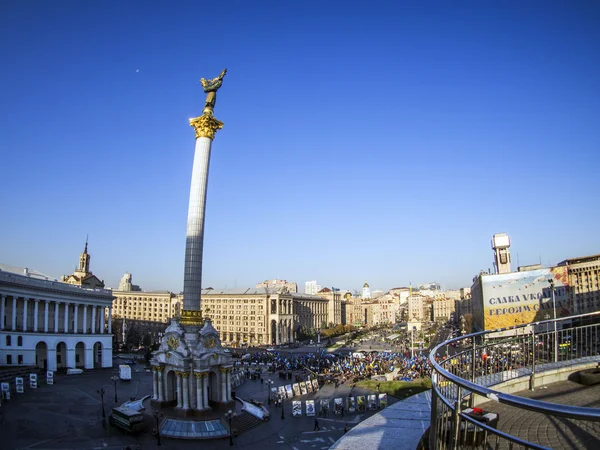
(506, 300)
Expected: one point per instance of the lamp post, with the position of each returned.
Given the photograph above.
(281, 400)
(230, 416)
(101, 392)
(157, 415)
(269, 384)
(551, 281)
(412, 342)
(115, 378)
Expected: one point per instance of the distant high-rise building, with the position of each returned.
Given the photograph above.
(125, 284)
(311, 287)
(500, 244)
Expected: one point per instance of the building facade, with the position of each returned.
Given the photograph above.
(443, 309)
(278, 284)
(311, 287)
(51, 324)
(584, 283)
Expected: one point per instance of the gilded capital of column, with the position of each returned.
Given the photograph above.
(200, 374)
(206, 126)
(158, 368)
(185, 374)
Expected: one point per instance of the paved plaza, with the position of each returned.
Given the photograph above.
(553, 432)
(68, 415)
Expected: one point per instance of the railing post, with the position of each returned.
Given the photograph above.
(433, 424)
(473, 361)
(533, 349)
(456, 418)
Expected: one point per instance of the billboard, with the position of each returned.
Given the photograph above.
(506, 300)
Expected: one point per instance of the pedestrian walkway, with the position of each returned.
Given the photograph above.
(184, 429)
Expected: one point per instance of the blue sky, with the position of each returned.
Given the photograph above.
(378, 141)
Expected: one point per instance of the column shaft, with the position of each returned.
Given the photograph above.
(199, 392)
(56, 312)
(14, 314)
(2, 310)
(24, 313)
(75, 321)
(205, 390)
(179, 392)
(66, 321)
(85, 318)
(93, 323)
(155, 385)
(110, 320)
(35, 314)
(186, 392)
(161, 395)
(102, 318)
(46, 316)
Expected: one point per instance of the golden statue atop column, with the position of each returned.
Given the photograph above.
(206, 125)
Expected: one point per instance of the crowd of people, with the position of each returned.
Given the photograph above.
(340, 369)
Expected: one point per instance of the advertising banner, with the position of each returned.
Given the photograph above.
(281, 391)
(33, 380)
(296, 408)
(309, 388)
(6, 391)
(372, 401)
(383, 400)
(310, 407)
(361, 404)
(296, 388)
(19, 384)
(49, 377)
(303, 388)
(288, 391)
(523, 297)
(337, 406)
(324, 404)
(351, 405)
(315, 384)
(273, 393)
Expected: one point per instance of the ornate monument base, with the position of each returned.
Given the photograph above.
(191, 370)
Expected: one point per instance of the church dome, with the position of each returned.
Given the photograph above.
(366, 284)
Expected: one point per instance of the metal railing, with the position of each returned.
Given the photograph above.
(465, 368)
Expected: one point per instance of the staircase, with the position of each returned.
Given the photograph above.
(244, 422)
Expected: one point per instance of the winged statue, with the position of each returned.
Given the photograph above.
(211, 87)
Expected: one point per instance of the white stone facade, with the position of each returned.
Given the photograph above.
(53, 325)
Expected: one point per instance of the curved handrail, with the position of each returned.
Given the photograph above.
(553, 409)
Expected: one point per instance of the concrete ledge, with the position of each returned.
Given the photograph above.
(399, 426)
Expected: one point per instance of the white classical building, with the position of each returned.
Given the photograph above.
(51, 324)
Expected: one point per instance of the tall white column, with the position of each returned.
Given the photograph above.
(102, 318)
(35, 314)
(154, 384)
(85, 318)
(56, 312)
(186, 392)
(75, 314)
(161, 395)
(46, 315)
(93, 323)
(66, 324)
(199, 391)
(24, 313)
(205, 390)
(14, 314)
(228, 383)
(110, 320)
(2, 310)
(179, 390)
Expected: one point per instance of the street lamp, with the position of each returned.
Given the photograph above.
(230, 416)
(551, 281)
(269, 384)
(281, 400)
(115, 378)
(157, 415)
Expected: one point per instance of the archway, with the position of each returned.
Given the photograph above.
(80, 355)
(41, 355)
(98, 354)
(61, 355)
(171, 387)
(213, 387)
(273, 331)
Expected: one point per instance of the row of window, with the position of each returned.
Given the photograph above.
(19, 341)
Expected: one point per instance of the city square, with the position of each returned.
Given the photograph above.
(297, 309)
